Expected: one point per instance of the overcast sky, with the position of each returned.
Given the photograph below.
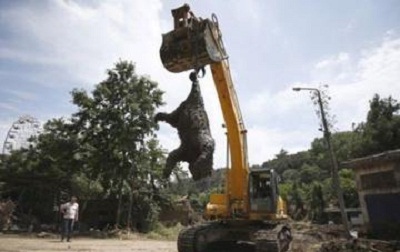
(47, 48)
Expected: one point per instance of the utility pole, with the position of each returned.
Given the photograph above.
(334, 162)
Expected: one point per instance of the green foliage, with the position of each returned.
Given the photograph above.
(198, 192)
(348, 184)
(107, 149)
(381, 131)
(160, 232)
(284, 161)
(291, 175)
(147, 211)
(307, 174)
(37, 176)
(296, 198)
(284, 190)
(323, 97)
(316, 202)
(86, 188)
(114, 122)
(34, 188)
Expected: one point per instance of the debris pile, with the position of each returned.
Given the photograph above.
(6, 212)
(47, 235)
(359, 245)
(180, 212)
(331, 238)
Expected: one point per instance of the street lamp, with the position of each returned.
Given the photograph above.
(334, 162)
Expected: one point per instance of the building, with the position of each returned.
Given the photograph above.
(378, 184)
(354, 215)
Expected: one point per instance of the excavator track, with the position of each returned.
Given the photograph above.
(277, 239)
(187, 239)
(266, 246)
(266, 241)
(221, 237)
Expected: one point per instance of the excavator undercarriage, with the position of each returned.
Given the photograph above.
(235, 235)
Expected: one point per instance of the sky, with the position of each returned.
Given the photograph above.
(50, 47)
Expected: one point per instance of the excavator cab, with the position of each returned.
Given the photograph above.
(193, 43)
(263, 190)
(264, 200)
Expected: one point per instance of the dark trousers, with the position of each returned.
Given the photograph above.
(67, 228)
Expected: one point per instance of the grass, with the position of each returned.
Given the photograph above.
(161, 232)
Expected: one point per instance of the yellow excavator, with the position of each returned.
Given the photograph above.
(250, 215)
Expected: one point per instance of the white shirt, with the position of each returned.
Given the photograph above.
(70, 210)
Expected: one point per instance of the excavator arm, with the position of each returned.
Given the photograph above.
(193, 44)
(237, 173)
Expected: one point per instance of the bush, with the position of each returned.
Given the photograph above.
(160, 232)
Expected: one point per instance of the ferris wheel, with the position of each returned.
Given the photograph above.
(19, 134)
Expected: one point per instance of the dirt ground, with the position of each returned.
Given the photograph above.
(17, 243)
(307, 238)
(13, 243)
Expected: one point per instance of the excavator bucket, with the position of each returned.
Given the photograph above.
(193, 43)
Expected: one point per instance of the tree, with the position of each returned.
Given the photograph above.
(58, 149)
(316, 202)
(345, 144)
(321, 95)
(145, 186)
(348, 183)
(36, 176)
(301, 171)
(107, 149)
(290, 175)
(296, 201)
(279, 163)
(284, 161)
(381, 131)
(309, 173)
(113, 123)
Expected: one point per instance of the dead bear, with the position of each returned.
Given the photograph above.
(197, 145)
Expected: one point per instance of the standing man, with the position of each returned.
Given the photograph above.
(70, 215)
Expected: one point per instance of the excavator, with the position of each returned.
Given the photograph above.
(250, 215)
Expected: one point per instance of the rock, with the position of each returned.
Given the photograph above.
(356, 245)
(46, 235)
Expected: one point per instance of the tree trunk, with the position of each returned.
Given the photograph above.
(129, 218)
(119, 209)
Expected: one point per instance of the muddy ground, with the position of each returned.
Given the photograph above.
(14, 243)
(307, 238)
(18, 243)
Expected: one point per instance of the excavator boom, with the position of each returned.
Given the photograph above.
(238, 172)
(193, 44)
